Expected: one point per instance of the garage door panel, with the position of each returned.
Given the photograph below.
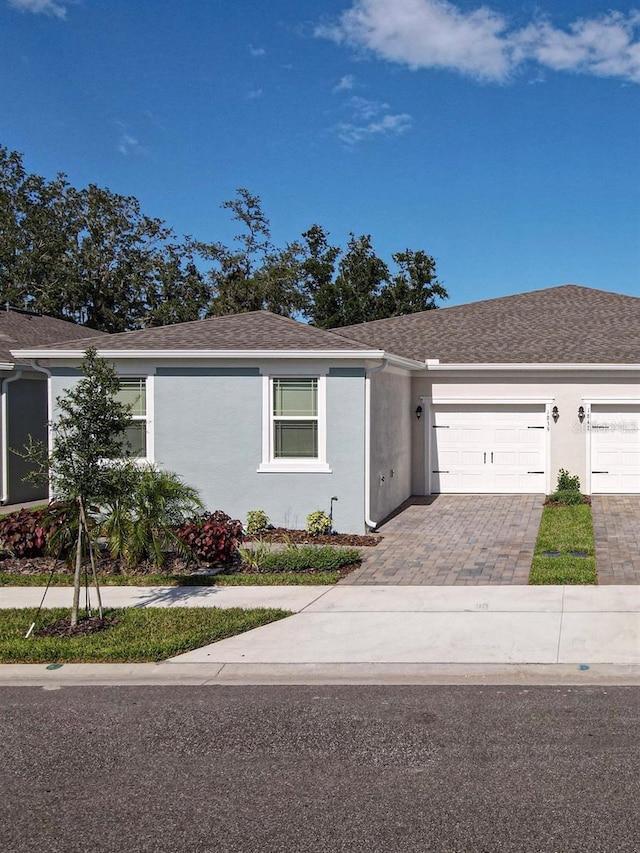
(615, 449)
(488, 449)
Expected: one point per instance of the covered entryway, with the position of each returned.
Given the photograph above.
(491, 449)
(615, 448)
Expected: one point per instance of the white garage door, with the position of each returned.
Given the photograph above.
(491, 449)
(615, 449)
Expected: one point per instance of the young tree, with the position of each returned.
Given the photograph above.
(87, 438)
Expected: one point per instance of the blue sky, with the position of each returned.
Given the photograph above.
(503, 139)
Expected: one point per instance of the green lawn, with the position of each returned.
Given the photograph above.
(565, 529)
(136, 635)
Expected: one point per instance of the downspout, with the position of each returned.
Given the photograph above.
(367, 443)
(4, 415)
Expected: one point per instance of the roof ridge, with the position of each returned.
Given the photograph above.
(477, 302)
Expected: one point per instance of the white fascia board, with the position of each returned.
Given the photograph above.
(587, 367)
(254, 354)
(406, 363)
(202, 353)
(6, 365)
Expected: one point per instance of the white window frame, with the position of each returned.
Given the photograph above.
(148, 418)
(301, 465)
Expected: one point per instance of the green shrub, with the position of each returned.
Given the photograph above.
(141, 524)
(257, 522)
(567, 483)
(308, 557)
(214, 537)
(567, 497)
(254, 556)
(318, 523)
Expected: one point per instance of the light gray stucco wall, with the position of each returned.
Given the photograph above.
(207, 427)
(26, 415)
(209, 430)
(390, 441)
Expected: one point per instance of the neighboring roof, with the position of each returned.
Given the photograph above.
(566, 325)
(22, 329)
(256, 330)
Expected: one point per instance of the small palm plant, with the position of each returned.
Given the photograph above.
(141, 525)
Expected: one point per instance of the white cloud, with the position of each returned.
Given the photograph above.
(369, 119)
(366, 109)
(387, 125)
(256, 51)
(483, 44)
(128, 144)
(41, 7)
(345, 84)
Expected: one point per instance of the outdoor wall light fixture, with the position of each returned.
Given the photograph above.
(581, 414)
(419, 412)
(555, 414)
(333, 499)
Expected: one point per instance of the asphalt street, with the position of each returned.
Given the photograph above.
(319, 768)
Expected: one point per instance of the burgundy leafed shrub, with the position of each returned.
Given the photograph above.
(213, 538)
(22, 533)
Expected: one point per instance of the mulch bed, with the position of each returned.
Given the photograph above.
(178, 566)
(85, 626)
(104, 566)
(586, 499)
(302, 537)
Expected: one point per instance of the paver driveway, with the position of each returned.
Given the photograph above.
(455, 539)
(616, 527)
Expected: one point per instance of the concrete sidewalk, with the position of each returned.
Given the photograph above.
(378, 634)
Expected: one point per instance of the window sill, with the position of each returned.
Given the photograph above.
(294, 468)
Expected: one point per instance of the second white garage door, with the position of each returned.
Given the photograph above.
(615, 449)
(491, 449)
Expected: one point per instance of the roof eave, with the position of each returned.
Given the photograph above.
(201, 353)
(570, 367)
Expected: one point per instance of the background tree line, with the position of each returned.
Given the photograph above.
(91, 256)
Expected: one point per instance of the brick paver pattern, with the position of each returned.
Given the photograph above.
(456, 540)
(616, 527)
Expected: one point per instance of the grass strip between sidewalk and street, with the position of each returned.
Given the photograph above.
(565, 529)
(134, 635)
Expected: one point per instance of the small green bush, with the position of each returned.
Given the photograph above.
(308, 558)
(257, 522)
(567, 483)
(318, 523)
(567, 497)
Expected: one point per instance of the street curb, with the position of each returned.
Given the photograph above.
(211, 674)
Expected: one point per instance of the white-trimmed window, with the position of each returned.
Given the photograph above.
(295, 418)
(294, 428)
(133, 393)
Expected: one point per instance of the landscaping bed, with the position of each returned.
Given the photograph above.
(127, 635)
(303, 537)
(291, 566)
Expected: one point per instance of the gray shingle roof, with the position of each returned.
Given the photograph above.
(256, 330)
(566, 324)
(20, 330)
